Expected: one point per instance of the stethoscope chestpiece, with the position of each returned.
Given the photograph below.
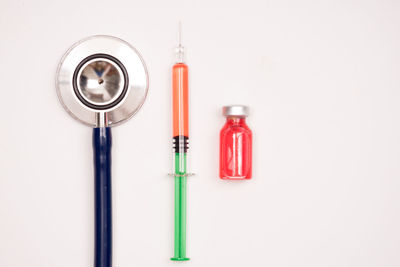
(102, 81)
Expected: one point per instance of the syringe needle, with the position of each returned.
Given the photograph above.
(180, 33)
(180, 51)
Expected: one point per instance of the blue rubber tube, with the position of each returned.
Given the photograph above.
(102, 194)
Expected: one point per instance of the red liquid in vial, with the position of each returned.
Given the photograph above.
(235, 150)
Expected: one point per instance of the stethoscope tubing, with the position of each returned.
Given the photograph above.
(103, 196)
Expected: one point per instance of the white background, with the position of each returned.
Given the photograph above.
(321, 79)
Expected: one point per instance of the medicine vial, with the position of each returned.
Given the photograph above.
(235, 145)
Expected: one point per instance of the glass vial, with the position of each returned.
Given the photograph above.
(235, 145)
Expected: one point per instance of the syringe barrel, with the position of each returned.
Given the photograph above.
(180, 100)
(180, 114)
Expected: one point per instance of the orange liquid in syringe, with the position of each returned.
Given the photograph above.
(180, 98)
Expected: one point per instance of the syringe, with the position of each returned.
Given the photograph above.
(180, 113)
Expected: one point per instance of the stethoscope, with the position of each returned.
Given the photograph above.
(102, 81)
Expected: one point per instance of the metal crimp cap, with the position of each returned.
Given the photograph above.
(235, 111)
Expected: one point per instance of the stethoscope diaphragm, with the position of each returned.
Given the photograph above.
(102, 76)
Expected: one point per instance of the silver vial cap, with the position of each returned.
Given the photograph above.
(235, 111)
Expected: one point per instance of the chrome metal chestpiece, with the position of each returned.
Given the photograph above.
(102, 81)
